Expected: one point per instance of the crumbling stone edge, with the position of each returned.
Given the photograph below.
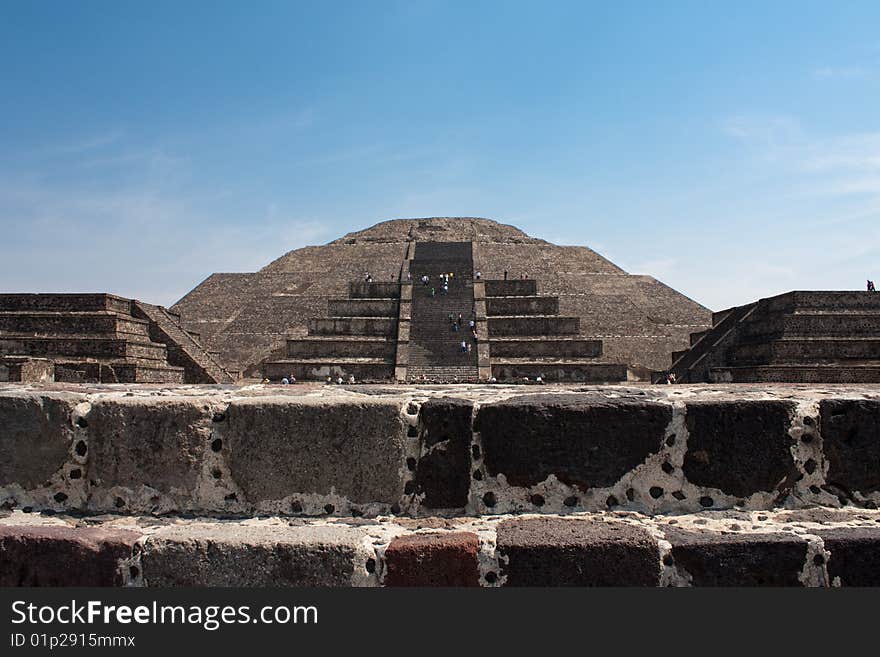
(819, 547)
(437, 454)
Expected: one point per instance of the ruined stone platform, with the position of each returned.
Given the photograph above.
(796, 337)
(308, 484)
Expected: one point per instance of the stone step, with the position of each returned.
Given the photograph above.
(816, 373)
(385, 326)
(94, 346)
(823, 301)
(545, 346)
(805, 351)
(363, 290)
(529, 305)
(334, 347)
(816, 548)
(117, 371)
(49, 323)
(64, 303)
(511, 288)
(533, 325)
(363, 307)
(558, 370)
(819, 324)
(318, 369)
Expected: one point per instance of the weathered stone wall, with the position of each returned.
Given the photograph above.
(82, 322)
(363, 308)
(23, 369)
(64, 303)
(434, 486)
(537, 326)
(734, 548)
(522, 305)
(353, 326)
(328, 450)
(547, 347)
(341, 348)
(319, 369)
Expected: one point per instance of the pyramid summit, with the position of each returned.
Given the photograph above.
(449, 229)
(539, 309)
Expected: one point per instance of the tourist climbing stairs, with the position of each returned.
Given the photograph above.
(435, 353)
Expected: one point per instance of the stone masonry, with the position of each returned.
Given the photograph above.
(467, 485)
(302, 312)
(99, 338)
(796, 337)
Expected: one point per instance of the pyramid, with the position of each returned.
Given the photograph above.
(561, 312)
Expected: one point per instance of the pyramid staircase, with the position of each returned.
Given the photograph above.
(797, 337)
(435, 352)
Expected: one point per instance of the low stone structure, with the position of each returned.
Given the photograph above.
(98, 338)
(796, 337)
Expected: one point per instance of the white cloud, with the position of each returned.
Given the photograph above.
(762, 130)
(840, 72)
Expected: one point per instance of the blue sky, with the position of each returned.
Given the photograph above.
(732, 150)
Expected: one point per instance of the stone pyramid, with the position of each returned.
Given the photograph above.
(564, 312)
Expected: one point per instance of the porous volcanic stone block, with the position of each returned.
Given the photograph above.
(276, 447)
(235, 554)
(63, 556)
(739, 447)
(35, 435)
(154, 442)
(855, 555)
(573, 552)
(447, 559)
(851, 440)
(443, 472)
(716, 559)
(585, 440)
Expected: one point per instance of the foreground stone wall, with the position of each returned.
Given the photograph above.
(422, 451)
(819, 547)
